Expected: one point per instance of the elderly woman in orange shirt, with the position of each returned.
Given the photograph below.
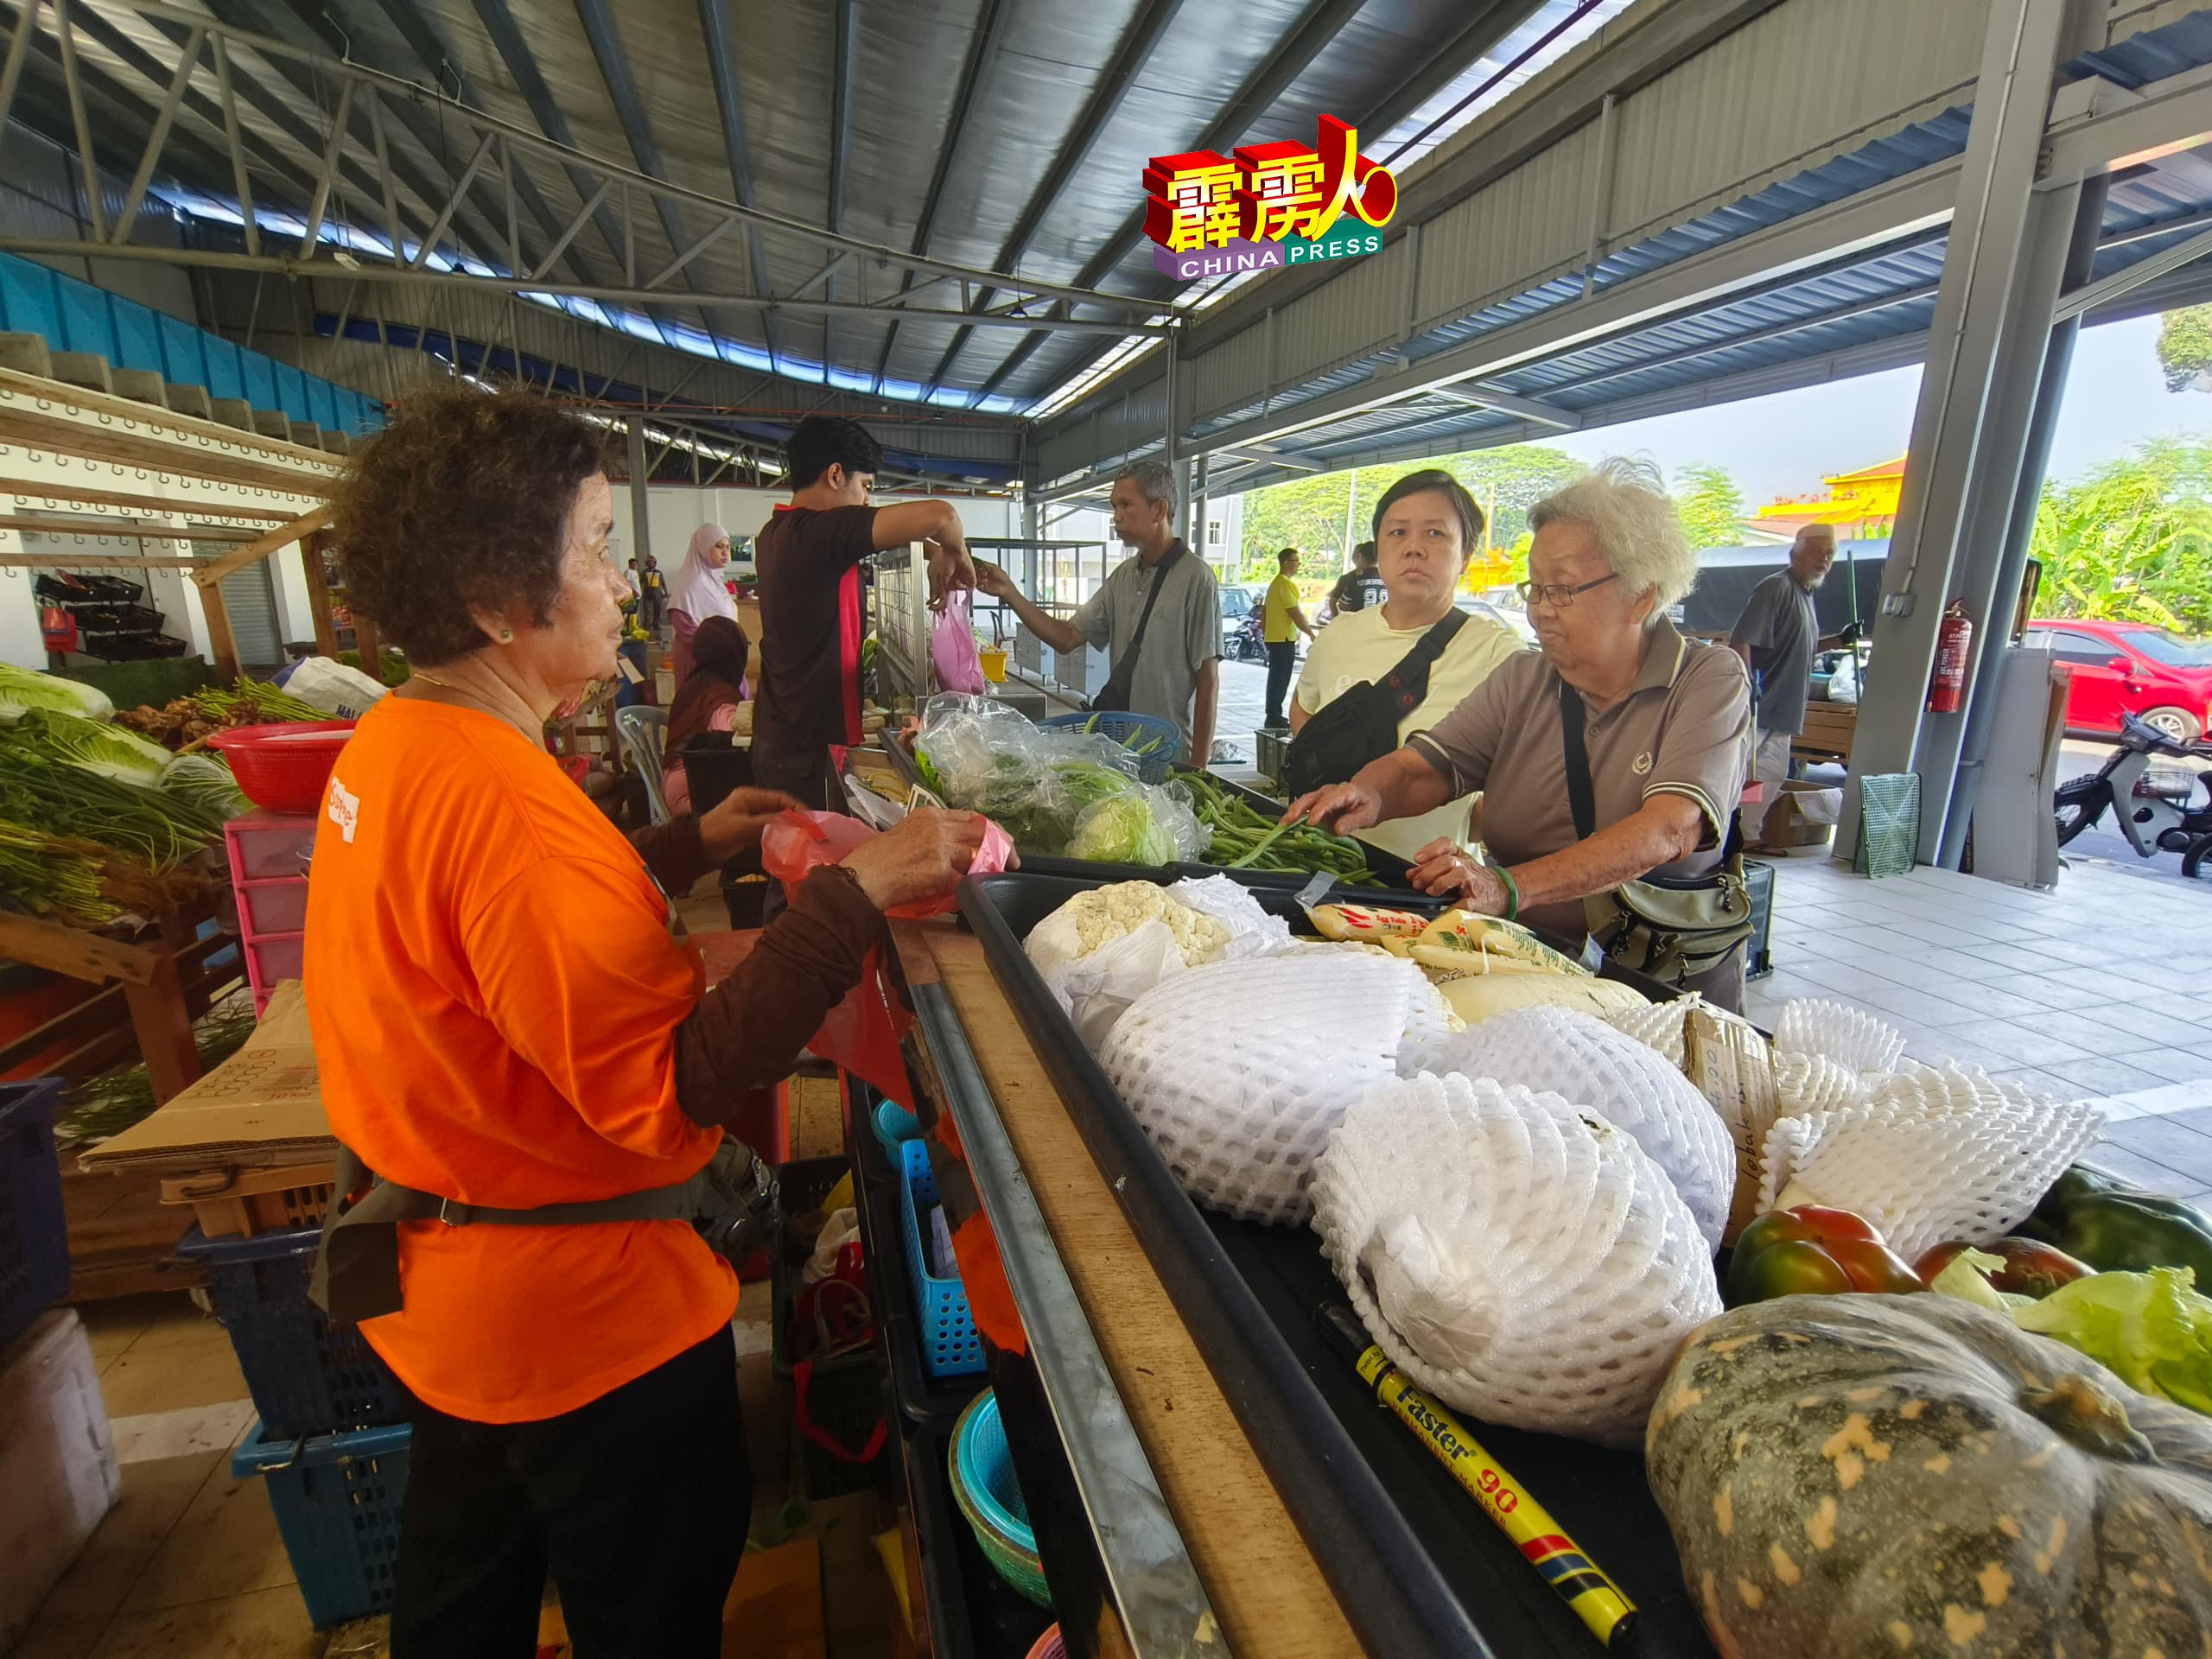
(505, 1022)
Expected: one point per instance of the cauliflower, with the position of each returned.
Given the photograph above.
(1104, 914)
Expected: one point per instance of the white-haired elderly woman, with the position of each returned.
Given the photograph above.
(1663, 727)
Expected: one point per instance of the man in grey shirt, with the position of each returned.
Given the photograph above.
(1175, 673)
(1777, 636)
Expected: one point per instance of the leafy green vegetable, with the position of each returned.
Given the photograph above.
(205, 781)
(1123, 830)
(48, 876)
(250, 703)
(40, 789)
(23, 689)
(2153, 1329)
(1966, 1276)
(105, 751)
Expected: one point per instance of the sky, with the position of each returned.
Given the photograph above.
(1784, 445)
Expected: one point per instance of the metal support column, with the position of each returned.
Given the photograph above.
(2019, 527)
(1974, 323)
(640, 529)
(1172, 453)
(1203, 506)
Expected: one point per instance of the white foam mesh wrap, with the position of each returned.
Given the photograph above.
(1238, 1071)
(1586, 1063)
(1661, 1027)
(1813, 1083)
(1932, 1155)
(1854, 1039)
(1518, 1258)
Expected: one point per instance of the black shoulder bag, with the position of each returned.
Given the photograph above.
(1114, 696)
(1669, 926)
(1362, 725)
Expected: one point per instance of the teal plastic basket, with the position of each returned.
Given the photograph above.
(989, 1496)
(949, 1345)
(894, 1125)
(337, 1500)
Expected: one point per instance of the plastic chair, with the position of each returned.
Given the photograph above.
(642, 730)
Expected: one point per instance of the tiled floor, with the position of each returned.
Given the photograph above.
(189, 1565)
(2101, 990)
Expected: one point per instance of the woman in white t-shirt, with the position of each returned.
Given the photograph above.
(1426, 526)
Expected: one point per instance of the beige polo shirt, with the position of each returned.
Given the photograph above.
(1684, 728)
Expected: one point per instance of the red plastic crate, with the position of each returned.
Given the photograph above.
(269, 961)
(277, 906)
(269, 846)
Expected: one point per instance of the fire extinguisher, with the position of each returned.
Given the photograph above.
(1953, 638)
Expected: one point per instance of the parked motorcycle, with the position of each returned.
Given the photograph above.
(1248, 643)
(2153, 809)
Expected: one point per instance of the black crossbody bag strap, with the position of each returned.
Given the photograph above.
(1421, 658)
(1123, 673)
(1581, 797)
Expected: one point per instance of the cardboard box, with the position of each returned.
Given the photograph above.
(1802, 815)
(260, 1107)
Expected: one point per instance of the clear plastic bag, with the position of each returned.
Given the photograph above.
(1037, 784)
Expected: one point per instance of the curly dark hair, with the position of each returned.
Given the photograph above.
(463, 499)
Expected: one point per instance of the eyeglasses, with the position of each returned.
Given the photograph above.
(1557, 594)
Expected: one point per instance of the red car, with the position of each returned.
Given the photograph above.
(2131, 668)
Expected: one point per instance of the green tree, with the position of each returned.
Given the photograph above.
(2132, 541)
(2185, 346)
(1711, 507)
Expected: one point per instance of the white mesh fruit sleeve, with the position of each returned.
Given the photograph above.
(1239, 1070)
(1661, 1026)
(1519, 1259)
(1932, 1155)
(1853, 1038)
(1588, 1063)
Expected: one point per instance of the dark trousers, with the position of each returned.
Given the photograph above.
(637, 1504)
(1282, 663)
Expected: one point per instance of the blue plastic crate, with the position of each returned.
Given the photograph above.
(1132, 731)
(948, 1343)
(34, 1238)
(894, 1125)
(308, 1375)
(337, 1500)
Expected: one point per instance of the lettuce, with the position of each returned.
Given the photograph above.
(23, 689)
(1122, 830)
(1966, 1277)
(2153, 1329)
(110, 751)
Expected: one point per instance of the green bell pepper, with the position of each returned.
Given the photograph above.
(2117, 1229)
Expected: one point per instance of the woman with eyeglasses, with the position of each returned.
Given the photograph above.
(1610, 762)
(1377, 674)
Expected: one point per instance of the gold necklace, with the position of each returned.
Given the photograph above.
(432, 679)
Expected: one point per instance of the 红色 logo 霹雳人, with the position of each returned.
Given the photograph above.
(1266, 206)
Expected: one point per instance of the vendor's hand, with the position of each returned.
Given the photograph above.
(734, 824)
(992, 580)
(950, 569)
(1342, 808)
(1445, 869)
(920, 856)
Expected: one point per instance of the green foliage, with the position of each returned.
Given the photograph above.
(2132, 541)
(2185, 346)
(1710, 505)
(1308, 513)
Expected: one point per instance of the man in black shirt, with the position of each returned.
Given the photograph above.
(1361, 586)
(808, 555)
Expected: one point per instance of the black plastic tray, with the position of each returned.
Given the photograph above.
(1418, 1569)
(974, 1613)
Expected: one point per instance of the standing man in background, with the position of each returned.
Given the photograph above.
(1777, 636)
(809, 553)
(1361, 586)
(1159, 615)
(1280, 623)
(652, 596)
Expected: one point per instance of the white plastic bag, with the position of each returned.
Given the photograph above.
(842, 1228)
(1097, 989)
(344, 693)
(1252, 931)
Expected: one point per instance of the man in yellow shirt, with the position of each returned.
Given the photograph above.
(1280, 624)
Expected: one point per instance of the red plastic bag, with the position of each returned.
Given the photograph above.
(862, 1033)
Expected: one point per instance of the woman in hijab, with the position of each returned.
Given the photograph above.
(707, 702)
(698, 592)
